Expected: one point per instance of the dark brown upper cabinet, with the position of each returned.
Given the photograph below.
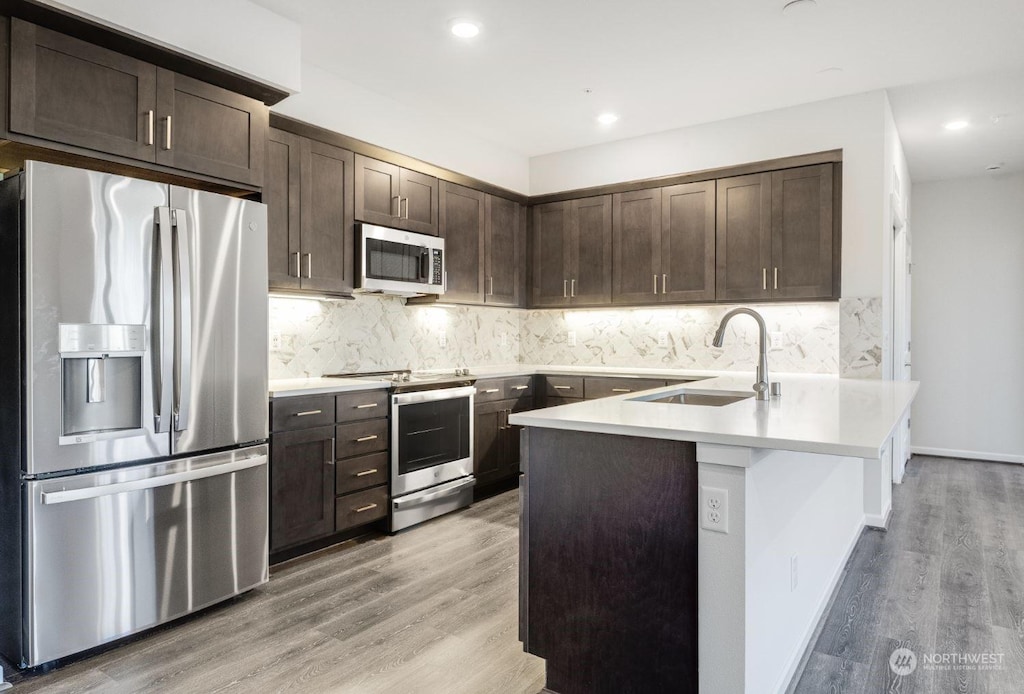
(636, 247)
(776, 237)
(503, 251)
(463, 221)
(310, 215)
(688, 242)
(803, 236)
(209, 130)
(744, 253)
(572, 252)
(75, 93)
(392, 196)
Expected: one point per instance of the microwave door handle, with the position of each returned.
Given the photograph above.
(183, 322)
(424, 266)
(163, 332)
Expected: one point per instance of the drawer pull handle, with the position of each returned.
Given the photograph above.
(366, 406)
(621, 390)
(364, 439)
(520, 387)
(364, 473)
(368, 507)
(492, 390)
(307, 413)
(563, 387)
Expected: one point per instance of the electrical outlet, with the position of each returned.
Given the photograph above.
(442, 339)
(663, 338)
(776, 339)
(792, 573)
(571, 338)
(275, 339)
(714, 509)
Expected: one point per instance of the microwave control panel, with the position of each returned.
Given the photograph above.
(436, 266)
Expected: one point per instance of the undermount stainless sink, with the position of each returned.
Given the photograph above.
(705, 398)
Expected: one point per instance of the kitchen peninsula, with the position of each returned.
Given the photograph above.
(668, 546)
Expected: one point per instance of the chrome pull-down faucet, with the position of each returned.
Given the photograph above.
(761, 388)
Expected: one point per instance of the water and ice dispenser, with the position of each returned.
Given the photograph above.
(101, 374)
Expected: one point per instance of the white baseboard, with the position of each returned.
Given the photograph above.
(968, 455)
(797, 662)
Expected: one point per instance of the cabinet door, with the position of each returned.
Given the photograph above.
(209, 130)
(490, 443)
(462, 227)
(70, 91)
(636, 247)
(591, 278)
(281, 193)
(377, 187)
(301, 486)
(419, 194)
(512, 432)
(551, 254)
(744, 238)
(503, 248)
(327, 219)
(802, 233)
(688, 242)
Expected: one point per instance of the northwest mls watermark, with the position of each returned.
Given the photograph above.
(904, 661)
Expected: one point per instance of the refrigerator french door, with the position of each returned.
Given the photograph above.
(135, 422)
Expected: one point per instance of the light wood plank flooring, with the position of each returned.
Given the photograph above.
(947, 577)
(431, 610)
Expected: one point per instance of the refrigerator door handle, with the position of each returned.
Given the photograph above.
(163, 342)
(182, 320)
(64, 496)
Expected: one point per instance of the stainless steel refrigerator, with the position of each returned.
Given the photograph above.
(133, 406)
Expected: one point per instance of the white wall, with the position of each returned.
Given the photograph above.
(337, 104)
(894, 166)
(235, 34)
(854, 124)
(968, 317)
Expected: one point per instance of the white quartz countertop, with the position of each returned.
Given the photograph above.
(288, 387)
(816, 414)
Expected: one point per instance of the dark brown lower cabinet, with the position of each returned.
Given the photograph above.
(495, 455)
(302, 486)
(629, 506)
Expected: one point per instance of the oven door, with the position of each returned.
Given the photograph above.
(431, 438)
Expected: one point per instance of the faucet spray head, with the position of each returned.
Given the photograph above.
(719, 336)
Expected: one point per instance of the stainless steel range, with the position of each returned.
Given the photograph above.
(431, 443)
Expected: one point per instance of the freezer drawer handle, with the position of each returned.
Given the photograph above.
(61, 497)
(440, 492)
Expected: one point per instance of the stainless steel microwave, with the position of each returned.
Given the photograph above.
(404, 263)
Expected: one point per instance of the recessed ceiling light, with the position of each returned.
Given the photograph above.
(607, 118)
(956, 125)
(464, 28)
(830, 71)
(797, 6)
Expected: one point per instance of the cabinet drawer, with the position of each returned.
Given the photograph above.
(563, 386)
(365, 404)
(301, 412)
(360, 438)
(489, 389)
(353, 474)
(603, 387)
(519, 387)
(357, 509)
(555, 401)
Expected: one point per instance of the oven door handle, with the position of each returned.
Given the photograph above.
(449, 489)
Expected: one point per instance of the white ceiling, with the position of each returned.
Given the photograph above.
(663, 64)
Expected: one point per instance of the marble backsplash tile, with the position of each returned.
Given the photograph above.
(311, 338)
(860, 337)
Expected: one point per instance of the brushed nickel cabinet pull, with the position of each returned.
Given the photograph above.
(520, 387)
(298, 265)
(364, 439)
(492, 390)
(764, 279)
(309, 265)
(167, 138)
(368, 507)
(776, 278)
(621, 390)
(406, 215)
(149, 127)
(563, 387)
(664, 284)
(565, 289)
(307, 413)
(398, 206)
(655, 284)
(572, 285)
(490, 289)
(364, 473)
(366, 406)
